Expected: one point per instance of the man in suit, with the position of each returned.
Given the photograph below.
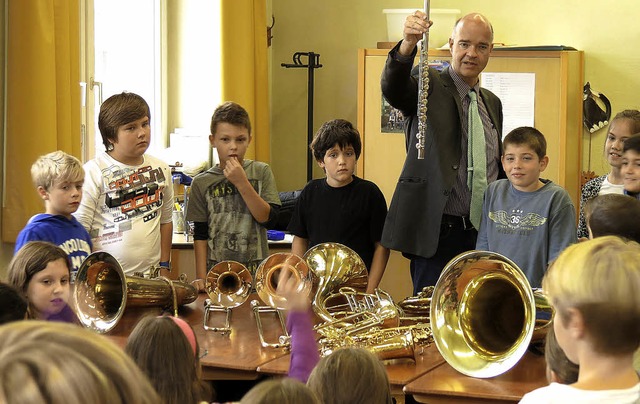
(428, 220)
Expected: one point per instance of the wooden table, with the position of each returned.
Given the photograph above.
(446, 385)
(400, 371)
(240, 356)
(228, 357)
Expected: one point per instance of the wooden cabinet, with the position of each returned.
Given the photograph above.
(559, 77)
(558, 113)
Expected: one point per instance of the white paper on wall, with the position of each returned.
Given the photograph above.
(517, 93)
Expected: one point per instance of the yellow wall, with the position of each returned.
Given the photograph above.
(6, 250)
(337, 28)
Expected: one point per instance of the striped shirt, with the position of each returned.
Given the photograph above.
(459, 201)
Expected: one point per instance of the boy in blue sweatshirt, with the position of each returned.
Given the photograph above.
(58, 178)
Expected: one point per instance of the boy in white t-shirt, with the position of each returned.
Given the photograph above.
(127, 199)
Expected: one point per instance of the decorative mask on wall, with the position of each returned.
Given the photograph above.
(594, 117)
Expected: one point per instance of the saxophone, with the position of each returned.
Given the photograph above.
(385, 343)
(423, 88)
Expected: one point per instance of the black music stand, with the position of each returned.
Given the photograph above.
(313, 62)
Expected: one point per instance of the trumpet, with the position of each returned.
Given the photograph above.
(228, 285)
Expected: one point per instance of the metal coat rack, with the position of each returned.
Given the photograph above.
(313, 62)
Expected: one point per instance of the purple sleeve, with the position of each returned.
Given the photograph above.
(304, 350)
(66, 315)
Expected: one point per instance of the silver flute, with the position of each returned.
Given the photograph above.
(423, 88)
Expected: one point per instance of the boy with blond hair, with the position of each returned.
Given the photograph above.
(594, 287)
(58, 178)
(528, 219)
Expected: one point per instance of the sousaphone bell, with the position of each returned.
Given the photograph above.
(483, 313)
(102, 292)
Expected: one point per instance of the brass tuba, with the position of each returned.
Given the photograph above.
(416, 308)
(335, 266)
(483, 313)
(352, 317)
(228, 285)
(102, 292)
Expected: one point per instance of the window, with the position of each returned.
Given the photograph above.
(167, 51)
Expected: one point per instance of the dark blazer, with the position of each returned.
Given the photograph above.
(413, 221)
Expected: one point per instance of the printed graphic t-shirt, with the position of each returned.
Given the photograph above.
(123, 206)
(233, 232)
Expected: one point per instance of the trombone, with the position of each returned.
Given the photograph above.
(228, 285)
(266, 284)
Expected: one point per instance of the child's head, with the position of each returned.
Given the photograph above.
(528, 137)
(525, 157)
(350, 375)
(630, 169)
(124, 123)
(594, 287)
(51, 362)
(559, 368)
(622, 126)
(58, 178)
(230, 132)
(282, 390)
(13, 306)
(40, 271)
(613, 215)
(231, 113)
(336, 147)
(167, 351)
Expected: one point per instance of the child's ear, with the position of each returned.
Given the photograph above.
(211, 139)
(43, 193)
(543, 163)
(575, 323)
(552, 377)
(320, 163)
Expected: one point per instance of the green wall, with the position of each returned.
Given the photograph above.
(337, 28)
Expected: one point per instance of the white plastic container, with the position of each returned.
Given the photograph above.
(439, 33)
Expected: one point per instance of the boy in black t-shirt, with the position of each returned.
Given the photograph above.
(341, 208)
